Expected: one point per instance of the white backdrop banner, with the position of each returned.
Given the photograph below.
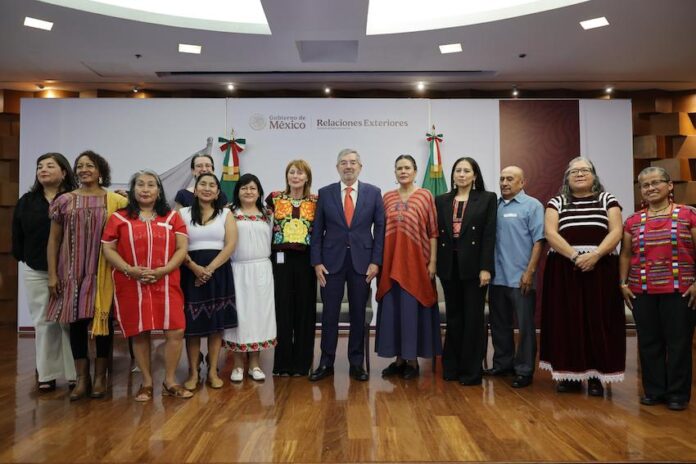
(162, 134)
(279, 130)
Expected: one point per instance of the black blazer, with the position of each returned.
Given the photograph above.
(476, 243)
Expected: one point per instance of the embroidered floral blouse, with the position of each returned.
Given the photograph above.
(663, 259)
(292, 220)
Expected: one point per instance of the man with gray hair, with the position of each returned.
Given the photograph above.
(346, 249)
(519, 239)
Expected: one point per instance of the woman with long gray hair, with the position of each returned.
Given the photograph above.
(583, 335)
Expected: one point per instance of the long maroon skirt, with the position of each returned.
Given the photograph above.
(583, 324)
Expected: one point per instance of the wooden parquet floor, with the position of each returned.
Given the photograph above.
(334, 420)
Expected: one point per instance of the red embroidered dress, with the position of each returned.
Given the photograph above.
(143, 307)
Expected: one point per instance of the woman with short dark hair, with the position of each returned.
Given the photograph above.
(200, 164)
(253, 280)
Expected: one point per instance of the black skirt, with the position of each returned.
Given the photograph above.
(211, 307)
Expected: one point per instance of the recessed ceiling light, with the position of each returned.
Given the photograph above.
(241, 16)
(230, 86)
(38, 23)
(420, 86)
(399, 16)
(135, 90)
(594, 23)
(327, 90)
(188, 48)
(451, 48)
(609, 89)
(515, 92)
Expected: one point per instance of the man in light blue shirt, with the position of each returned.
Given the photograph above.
(519, 240)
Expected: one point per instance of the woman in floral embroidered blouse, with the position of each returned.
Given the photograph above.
(657, 280)
(295, 282)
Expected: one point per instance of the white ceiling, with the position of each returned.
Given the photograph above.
(649, 44)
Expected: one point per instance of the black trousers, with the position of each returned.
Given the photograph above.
(296, 312)
(462, 355)
(665, 326)
(503, 303)
(79, 340)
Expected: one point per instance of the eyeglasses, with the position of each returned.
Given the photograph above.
(653, 184)
(583, 171)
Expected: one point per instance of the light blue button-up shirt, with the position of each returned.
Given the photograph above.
(520, 225)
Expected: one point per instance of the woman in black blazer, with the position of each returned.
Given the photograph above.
(466, 221)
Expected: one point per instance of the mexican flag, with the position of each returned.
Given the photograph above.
(434, 179)
(230, 166)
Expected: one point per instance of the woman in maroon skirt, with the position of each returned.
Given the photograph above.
(583, 335)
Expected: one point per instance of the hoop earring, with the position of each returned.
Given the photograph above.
(473, 186)
(100, 180)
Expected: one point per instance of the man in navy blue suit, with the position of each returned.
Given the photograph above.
(346, 249)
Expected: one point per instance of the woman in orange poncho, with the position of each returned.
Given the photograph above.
(408, 320)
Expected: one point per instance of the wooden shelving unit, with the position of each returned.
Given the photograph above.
(664, 134)
(9, 190)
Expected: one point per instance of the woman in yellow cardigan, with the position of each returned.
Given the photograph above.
(79, 279)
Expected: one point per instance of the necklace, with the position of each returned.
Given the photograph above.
(660, 210)
(148, 218)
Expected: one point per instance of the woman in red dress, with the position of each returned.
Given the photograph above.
(146, 243)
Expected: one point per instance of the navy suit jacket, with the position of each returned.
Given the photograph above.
(332, 237)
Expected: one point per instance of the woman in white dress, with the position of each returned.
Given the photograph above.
(253, 280)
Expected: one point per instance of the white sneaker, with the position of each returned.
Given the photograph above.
(257, 374)
(237, 374)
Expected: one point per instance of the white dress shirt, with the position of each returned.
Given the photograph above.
(353, 194)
